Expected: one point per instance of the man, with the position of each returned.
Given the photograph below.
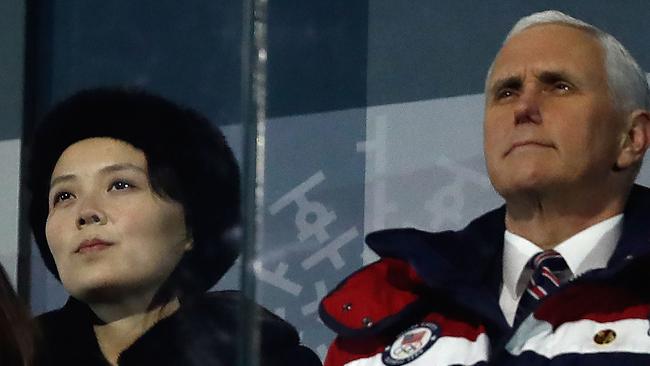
(559, 275)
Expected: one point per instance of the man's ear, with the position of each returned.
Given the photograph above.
(635, 139)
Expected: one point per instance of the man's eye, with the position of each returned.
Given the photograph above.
(564, 87)
(505, 93)
(120, 185)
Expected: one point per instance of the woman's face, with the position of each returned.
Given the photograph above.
(109, 232)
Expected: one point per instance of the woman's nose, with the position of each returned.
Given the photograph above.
(90, 217)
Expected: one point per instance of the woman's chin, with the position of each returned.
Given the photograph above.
(96, 291)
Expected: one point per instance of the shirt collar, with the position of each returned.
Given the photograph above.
(589, 249)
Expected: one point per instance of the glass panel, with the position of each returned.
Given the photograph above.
(373, 113)
(254, 93)
(375, 121)
(188, 53)
(12, 44)
(314, 176)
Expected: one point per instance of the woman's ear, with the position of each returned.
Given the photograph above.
(189, 239)
(635, 139)
(189, 244)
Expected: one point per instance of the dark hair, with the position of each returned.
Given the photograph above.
(188, 161)
(17, 330)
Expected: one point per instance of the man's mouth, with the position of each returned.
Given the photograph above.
(528, 143)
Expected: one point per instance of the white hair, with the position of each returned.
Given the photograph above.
(627, 82)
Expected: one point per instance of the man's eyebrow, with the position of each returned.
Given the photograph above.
(550, 77)
(509, 82)
(105, 170)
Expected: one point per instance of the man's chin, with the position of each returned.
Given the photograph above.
(524, 177)
(525, 189)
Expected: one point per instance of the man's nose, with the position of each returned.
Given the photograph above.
(527, 108)
(91, 214)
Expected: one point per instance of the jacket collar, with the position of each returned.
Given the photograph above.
(204, 328)
(472, 257)
(467, 264)
(635, 237)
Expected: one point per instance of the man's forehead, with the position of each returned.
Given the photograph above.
(562, 36)
(551, 44)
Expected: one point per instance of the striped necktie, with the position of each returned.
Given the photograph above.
(549, 271)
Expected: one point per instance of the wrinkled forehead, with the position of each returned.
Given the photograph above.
(549, 45)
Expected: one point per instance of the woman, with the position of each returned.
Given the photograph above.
(133, 201)
(17, 331)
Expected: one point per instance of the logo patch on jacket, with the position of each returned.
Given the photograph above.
(410, 344)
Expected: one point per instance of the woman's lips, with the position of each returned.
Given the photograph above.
(92, 245)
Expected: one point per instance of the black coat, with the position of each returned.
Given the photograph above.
(202, 332)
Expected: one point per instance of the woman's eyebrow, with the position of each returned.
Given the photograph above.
(61, 179)
(121, 166)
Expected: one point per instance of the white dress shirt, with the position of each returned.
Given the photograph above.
(589, 249)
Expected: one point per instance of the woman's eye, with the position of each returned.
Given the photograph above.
(62, 196)
(120, 185)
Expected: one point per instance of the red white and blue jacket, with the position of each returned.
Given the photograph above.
(432, 299)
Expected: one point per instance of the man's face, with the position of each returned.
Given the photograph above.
(550, 122)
